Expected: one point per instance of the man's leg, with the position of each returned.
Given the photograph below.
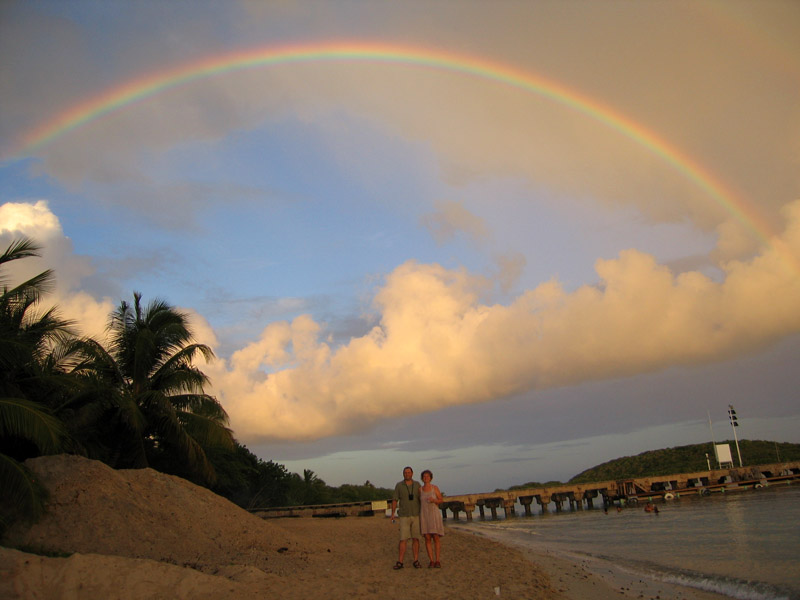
(415, 548)
(402, 548)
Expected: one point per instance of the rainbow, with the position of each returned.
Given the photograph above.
(139, 89)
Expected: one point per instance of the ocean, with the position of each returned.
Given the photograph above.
(743, 544)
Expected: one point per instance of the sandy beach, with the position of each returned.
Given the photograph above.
(142, 534)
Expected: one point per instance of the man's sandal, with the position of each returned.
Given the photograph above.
(397, 565)
(417, 565)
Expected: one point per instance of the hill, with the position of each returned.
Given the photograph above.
(686, 459)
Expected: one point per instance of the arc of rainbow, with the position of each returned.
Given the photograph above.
(149, 85)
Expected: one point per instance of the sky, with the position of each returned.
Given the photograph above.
(505, 241)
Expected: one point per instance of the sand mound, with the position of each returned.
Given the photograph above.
(146, 514)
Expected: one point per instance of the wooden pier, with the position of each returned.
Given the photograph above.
(626, 491)
(575, 495)
(342, 509)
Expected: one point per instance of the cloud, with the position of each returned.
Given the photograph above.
(36, 221)
(732, 242)
(510, 267)
(452, 218)
(21, 216)
(438, 344)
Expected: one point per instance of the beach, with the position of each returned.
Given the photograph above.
(142, 534)
(340, 558)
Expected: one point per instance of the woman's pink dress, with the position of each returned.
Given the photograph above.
(430, 515)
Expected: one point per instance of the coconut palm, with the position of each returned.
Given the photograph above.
(29, 378)
(162, 417)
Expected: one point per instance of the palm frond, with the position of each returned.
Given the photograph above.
(90, 357)
(173, 433)
(180, 380)
(26, 419)
(23, 247)
(200, 404)
(22, 496)
(186, 355)
(207, 431)
(29, 291)
(197, 459)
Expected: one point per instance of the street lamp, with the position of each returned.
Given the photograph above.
(734, 425)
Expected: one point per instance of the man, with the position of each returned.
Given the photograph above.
(406, 492)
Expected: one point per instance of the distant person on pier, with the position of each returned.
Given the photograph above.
(407, 496)
(430, 518)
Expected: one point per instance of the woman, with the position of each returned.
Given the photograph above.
(430, 519)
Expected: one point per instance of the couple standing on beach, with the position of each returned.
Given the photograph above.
(419, 516)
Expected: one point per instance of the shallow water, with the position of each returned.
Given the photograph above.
(742, 544)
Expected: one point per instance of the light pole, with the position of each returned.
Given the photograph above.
(734, 425)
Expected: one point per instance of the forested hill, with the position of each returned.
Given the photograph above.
(687, 459)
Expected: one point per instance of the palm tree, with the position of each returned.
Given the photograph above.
(29, 378)
(162, 416)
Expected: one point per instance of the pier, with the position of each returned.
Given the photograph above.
(575, 496)
(578, 496)
(342, 509)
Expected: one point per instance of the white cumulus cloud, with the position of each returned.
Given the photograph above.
(438, 345)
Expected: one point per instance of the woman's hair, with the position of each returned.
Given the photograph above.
(422, 475)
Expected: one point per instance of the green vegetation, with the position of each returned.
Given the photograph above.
(681, 459)
(530, 484)
(30, 348)
(143, 398)
(309, 489)
(687, 459)
(137, 402)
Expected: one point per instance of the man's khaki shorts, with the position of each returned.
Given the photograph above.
(409, 528)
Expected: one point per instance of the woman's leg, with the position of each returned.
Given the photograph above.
(428, 548)
(437, 542)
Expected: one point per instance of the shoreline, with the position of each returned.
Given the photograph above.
(583, 578)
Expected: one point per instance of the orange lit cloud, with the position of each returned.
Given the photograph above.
(439, 345)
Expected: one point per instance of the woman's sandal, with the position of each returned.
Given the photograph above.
(437, 564)
(397, 565)
(417, 565)
(430, 565)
